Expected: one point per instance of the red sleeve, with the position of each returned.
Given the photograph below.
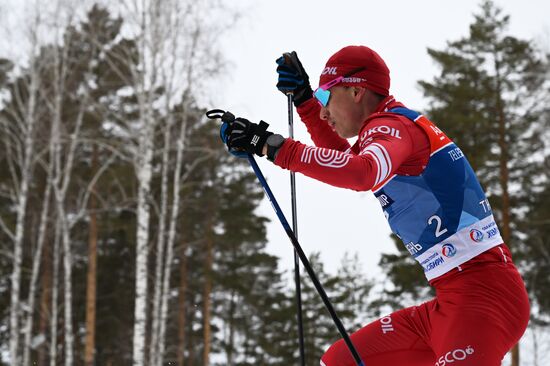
(319, 130)
(384, 144)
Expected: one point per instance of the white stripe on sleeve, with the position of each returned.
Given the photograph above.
(382, 159)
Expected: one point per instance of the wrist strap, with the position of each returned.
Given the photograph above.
(259, 138)
(273, 149)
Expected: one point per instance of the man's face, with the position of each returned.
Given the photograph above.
(343, 112)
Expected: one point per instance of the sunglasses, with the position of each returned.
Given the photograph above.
(322, 93)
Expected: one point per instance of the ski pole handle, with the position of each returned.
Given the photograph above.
(290, 93)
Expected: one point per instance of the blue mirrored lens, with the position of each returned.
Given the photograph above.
(322, 96)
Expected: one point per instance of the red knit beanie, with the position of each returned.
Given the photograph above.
(375, 76)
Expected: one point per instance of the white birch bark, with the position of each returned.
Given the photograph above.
(17, 256)
(55, 295)
(171, 13)
(36, 269)
(170, 243)
(26, 176)
(164, 43)
(35, 36)
(67, 289)
(155, 355)
(60, 190)
(63, 160)
(145, 79)
(56, 147)
(27, 127)
(144, 174)
(185, 39)
(154, 348)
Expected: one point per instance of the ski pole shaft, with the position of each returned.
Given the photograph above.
(305, 261)
(295, 229)
(292, 174)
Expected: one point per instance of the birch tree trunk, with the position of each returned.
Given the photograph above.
(171, 240)
(60, 74)
(168, 16)
(155, 355)
(145, 80)
(45, 302)
(169, 77)
(62, 177)
(67, 281)
(144, 173)
(36, 268)
(182, 298)
(143, 14)
(26, 167)
(18, 248)
(55, 295)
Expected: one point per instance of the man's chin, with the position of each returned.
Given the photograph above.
(343, 135)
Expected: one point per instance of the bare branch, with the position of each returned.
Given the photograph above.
(5, 228)
(10, 160)
(84, 202)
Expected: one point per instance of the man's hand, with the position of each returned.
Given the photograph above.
(241, 135)
(293, 78)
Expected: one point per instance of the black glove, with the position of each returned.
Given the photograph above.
(245, 136)
(293, 78)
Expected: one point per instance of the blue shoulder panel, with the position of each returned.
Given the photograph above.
(409, 113)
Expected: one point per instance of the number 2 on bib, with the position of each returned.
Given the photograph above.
(438, 229)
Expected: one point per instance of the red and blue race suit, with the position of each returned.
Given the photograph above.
(436, 206)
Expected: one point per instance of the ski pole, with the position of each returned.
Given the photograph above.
(305, 261)
(227, 117)
(290, 97)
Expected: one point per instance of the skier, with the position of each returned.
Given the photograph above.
(430, 197)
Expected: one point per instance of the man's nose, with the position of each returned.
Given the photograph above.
(324, 114)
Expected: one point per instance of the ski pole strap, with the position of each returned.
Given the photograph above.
(227, 118)
(220, 113)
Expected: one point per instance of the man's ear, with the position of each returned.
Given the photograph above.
(358, 93)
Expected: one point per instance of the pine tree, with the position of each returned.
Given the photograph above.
(537, 248)
(352, 291)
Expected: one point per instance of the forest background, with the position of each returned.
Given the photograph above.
(128, 235)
